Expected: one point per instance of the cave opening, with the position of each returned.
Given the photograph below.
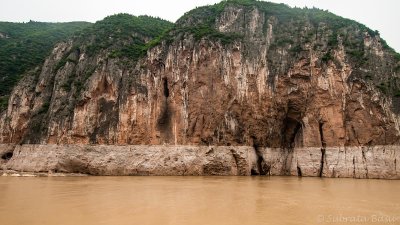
(299, 173)
(291, 131)
(166, 90)
(254, 172)
(164, 119)
(7, 156)
(262, 168)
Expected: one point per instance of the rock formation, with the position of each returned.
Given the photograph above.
(265, 88)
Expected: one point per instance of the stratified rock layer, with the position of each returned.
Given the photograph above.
(131, 160)
(356, 162)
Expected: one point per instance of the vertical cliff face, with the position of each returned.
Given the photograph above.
(256, 74)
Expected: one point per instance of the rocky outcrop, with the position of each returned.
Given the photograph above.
(351, 162)
(204, 92)
(132, 160)
(354, 162)
(308, 97)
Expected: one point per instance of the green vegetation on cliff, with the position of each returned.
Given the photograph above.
(123, 35)
(205, 17)
(127, 38)
(24, 46)
(296, 28)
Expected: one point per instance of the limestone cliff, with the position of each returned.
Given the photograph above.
(239, 73)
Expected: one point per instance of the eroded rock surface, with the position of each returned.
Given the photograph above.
(357, 162)
(302, 103)
(257, 89)
(132, 160)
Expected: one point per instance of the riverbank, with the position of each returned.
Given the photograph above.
(379, 162)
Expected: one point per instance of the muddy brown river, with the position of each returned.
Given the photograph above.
(197, 200)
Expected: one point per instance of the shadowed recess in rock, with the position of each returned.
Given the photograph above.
(108, 119)
(166, 90)
(321, 135)
(299, 173)
(164, 119)
(7, 156)
(323, 148)
(321, 169)
(291, 130)
(260, 162)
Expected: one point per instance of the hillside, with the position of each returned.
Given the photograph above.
(298, 28)
(25, 46)
(301, 89)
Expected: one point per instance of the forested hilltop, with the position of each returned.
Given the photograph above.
(24, 46)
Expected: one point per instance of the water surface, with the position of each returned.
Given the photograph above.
(197, 200)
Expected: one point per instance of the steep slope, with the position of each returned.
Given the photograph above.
(25, 46)
(312, 93)
(56, 89)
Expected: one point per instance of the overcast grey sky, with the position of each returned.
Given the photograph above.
(382, 15)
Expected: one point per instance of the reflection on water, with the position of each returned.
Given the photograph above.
(197, 200)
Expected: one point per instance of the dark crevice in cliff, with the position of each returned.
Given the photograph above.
(364, 162)
(299, 172)
(321, 169)
(262, 168)
(166, 90)
(323, 149)
(7, 156)
(291, 130)
(164, 119)
(292, 135)
(354, 167)
(321, 135)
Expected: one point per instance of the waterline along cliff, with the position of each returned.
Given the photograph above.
(237, 88)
